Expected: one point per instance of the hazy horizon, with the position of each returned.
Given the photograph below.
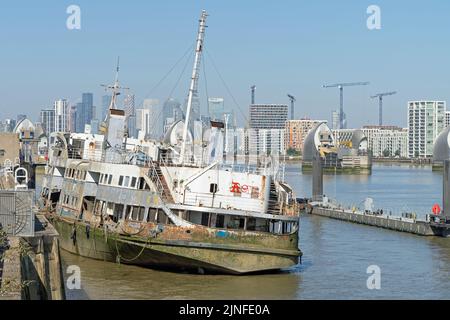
(280, 46)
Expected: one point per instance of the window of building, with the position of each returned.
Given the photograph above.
(110, 179)
(120, 180)
(133, 182)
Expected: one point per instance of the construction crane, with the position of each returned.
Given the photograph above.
(341, 89)
(253, 93)
(292, 99)
(380, 97)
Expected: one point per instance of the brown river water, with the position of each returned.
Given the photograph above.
(336, 254)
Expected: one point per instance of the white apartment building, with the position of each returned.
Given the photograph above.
(268, 116)
(48, 120)
(343, 136)
(60, 107)
(388, 141)
(266, 141)
(426, 120)
(335, 120)
(255, 141)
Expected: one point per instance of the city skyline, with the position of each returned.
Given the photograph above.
(309, 57)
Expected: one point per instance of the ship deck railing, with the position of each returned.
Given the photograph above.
(332, 204)
(143, 160)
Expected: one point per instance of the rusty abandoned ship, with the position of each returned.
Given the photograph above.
(166, 203)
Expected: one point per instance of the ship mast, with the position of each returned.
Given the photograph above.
(115, 87)
(194, 80)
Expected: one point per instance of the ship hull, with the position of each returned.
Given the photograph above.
(178, 255)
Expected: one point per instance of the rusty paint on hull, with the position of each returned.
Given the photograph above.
(198, 248)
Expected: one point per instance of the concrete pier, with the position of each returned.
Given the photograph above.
(400, 224)
(10, 279)
(32, 266)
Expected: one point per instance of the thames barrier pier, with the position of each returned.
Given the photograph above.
(435, 224)
(30, 264)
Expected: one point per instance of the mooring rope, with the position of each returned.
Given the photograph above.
(120, 257)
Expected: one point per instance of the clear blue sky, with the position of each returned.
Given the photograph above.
(281, 46)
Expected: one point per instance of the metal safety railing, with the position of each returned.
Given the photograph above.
(16, 213)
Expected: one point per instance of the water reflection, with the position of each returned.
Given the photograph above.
(112, 281)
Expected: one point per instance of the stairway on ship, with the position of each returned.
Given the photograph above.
(167, 196)
(274, 205)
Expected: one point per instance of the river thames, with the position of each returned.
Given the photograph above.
(336, 254)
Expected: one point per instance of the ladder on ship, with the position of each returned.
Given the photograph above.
(274, 205)
(156, 178)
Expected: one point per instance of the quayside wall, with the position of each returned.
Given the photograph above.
(31, 267)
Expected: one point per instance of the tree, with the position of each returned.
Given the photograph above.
(386, 153)
(397, 153)
(291, 152)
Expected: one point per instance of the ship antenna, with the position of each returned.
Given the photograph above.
(115, 88)
(194, 80)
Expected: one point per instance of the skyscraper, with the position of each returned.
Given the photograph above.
(155, 117)
(216, 108)
(60, 113)
(426, 120)
(47, 119)
(79, 121)
(72, 119)
(95, 125)
(85, 111)
(335, 120)
(171, 113)
(130, 113)
(89, 109)
(106, 101)
(143, 122)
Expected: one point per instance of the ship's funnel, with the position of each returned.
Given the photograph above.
(441, 153)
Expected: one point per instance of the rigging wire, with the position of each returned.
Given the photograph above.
(226, 86)
(206, 84)
(189, 49)
(161, 111)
